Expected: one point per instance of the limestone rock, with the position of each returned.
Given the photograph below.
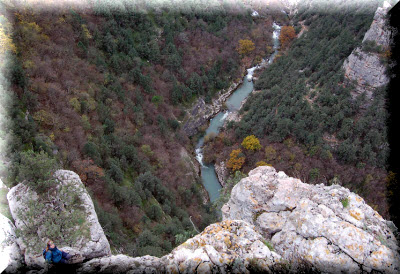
(366, 69)
(22, 199)
(222, 247)
(328, 227)
(222, 172)
(10, 254)
(379, 31)
(122, 264)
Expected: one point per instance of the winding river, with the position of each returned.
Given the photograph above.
(208, 175)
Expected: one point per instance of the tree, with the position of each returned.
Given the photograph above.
(245, 47)
(36, 170)
(287, 35)
(251, 143)
(157, 99)
(154, 212)
(236, 160)
(270, 153)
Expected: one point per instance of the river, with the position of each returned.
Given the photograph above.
(208, 175)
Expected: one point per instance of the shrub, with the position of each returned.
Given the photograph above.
(262, 163)
(157, 99)
(236, 160)
(251, 143)
(345, 202)
(270, 153)
(314, 174)
(36, 170)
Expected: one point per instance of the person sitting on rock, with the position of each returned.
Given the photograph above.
(54, 255)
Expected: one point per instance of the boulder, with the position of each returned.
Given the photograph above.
(11, 258)
(328, 227)
(67, 204)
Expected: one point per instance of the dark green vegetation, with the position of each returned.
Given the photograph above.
(102, 92)
(304, 110)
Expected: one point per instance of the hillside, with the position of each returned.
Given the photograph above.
(103, 92)
(312, 119)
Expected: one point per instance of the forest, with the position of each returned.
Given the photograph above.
(103, 92)
(305, 116)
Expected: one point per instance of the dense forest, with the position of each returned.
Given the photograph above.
(103, 91)
(304, 115)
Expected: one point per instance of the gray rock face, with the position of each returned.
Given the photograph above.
(122, 264)
(225, 247)
(379, 31)
(327, 226)
(10, 254)
(21, 199)
(366, 69)
(202, 112)
(222, 172)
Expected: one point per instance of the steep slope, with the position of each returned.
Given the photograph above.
(305, 112)
(103, 91)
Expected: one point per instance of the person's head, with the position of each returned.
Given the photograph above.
(50, 244)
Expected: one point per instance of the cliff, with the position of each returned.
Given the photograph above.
(365, 64)
(271, 223)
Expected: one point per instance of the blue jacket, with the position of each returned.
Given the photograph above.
(53, 255)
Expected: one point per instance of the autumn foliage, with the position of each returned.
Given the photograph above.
(245, 46)
(236, 160)
(251, 143)
(287, 35)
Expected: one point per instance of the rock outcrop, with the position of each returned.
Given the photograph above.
(222, 172)
(201, 112)
(328, 227)
(366, 68)
(270, 222)
(10, 254)
(228, 246)
(122, 264)
(30, 215)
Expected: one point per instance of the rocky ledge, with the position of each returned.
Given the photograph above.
(272, 223)
(329, 227)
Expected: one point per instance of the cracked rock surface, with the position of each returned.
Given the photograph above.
(86, 248)
(327, 226)
(228, 246)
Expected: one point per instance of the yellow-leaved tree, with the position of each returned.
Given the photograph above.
(236, 160)
(287, 35)
(251, 143)
(245, 46)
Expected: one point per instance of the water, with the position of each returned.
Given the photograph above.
(208, 175)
